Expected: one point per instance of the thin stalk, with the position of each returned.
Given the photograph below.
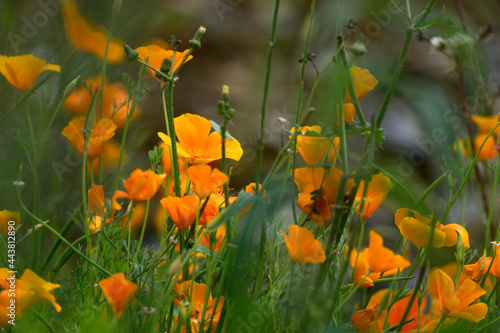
(58, 235)
(266, 90)
(399, 66)
(142, 231)
(169, 120)
(467, 175)
(24, 97)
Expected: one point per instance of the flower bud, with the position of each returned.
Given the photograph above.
(195, 43)
(175, 267)
(71, 86)
(165, 66)
(132, 55)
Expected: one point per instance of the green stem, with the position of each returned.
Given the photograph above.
(467, 175)
(142, 231)
(44, 321)
(399, 66)
(266, 90)
(25, 96)
(430, 189)
(55, 233)
(168, 111)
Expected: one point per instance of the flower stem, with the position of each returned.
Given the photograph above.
(266, 90)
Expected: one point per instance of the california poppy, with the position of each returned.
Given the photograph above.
(22, 71)
(118, 292)
(367, 320)
(486, 123)
(141, 185)
(375, 261)
(417, 229)
(378, 188)
(102, 132)
(363, 83)
(457, 303)
(311, 145)
(205, 179)
(197, 145)
(155, 56)
(202, 308)
(30, 289)
(6, 216)
(318, 190)
(116, 103)
(302, 246)
(88, 37)
(182, 211)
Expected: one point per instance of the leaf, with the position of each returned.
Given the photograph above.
(433, 21)
(244, 198)
(217, 128)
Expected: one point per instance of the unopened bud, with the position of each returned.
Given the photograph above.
(165, 65)
(132, 54)
(195, 43)
(231, 112)
(175, 267)
(71, 86)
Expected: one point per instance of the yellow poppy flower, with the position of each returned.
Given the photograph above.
(7, 216)
(417, 229)
(22, 71)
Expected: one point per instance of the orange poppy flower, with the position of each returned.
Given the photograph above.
(7, 216)
(211, 209)
(102, 132)
(457, 303)
(374, 261)
(22, 71)
(87, 37)
(205, 179)
(398, 309)
(495, 269)
(378, 188)
(311, 147)
(217, 238)
(167, 163)
(417, 229)
(141, 185)
(118, 292)
(366, 321)
(115, 101)
(197, 145)
(302, 246)
(477, 270)
(250, 188)
(486, 123)
(182, 211)
(156, 56)
(195, 295)
(363, 83)
(487, 153)
(318, 190)
(109, 157)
